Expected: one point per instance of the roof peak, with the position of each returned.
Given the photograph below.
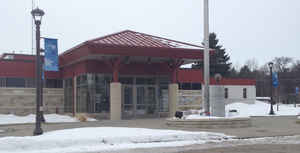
(133, 38)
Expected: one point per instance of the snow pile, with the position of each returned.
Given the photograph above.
(104, 138)
(50, 118)
(260, 109)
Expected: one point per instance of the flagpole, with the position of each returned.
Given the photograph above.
(206, 58)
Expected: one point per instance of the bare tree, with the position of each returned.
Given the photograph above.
(296, 66)
(252, 64)
(282, 64)
(264, 69)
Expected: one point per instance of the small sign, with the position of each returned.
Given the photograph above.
(297, 90)
(51, 55)
(41, 108)
(275, 79)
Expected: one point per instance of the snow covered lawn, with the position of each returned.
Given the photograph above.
(50, 118)
(104, 138)
(261, 109)
(246, 110)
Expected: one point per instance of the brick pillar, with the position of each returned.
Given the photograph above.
(115, 101)
(173, 98)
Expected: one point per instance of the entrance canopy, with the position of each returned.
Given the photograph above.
(133, 46)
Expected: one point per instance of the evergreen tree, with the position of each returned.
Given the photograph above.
(245, 72)
(219, 61)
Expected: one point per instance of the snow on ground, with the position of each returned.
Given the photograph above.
(104, 138)
(261, 109)
(50, 118)
(246, 110)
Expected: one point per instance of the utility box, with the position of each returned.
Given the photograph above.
(217, 100)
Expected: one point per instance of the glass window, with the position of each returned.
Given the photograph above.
(100, 79)
(149, 81)
(82, 99)
(53, 83)
(163, 99)
(245, 93)
(226, 93)
(196, 86)
(82, 79)
(163, 80)
(68, 93)
(29, 83)
(185, 86)
(15, 82)
(126, 80)
(140, 95)
(2, 82)
(141, 81)
(93, 93)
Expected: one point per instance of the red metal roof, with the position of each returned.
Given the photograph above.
(137, 39)
(14, 56)
(130, 43)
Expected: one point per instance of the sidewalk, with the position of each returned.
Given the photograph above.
(261, 127)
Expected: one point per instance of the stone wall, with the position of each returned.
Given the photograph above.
(235, 94)
(192, 99)
(21, 101)
(189, 99)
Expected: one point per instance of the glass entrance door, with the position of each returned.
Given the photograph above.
(139, 101)
(146, 105)
(127, 102)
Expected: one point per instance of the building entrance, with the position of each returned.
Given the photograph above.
(139, 101)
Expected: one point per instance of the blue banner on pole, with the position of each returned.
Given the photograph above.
(43, 72)
(297, 90)
(51, 55)
(275, 81)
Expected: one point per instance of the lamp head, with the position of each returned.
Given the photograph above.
(270, 64)
(37, 14)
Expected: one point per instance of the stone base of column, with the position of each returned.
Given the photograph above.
(115, 101)
(173, 99)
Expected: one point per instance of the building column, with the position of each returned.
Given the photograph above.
(173, 98)
(173, 87)
(115, 92)
(115, 101)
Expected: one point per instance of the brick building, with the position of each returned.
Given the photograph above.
(122, 75)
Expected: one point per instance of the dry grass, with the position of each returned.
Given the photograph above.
(81, 117)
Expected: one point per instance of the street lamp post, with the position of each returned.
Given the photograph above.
(271, 88)
(37, 15)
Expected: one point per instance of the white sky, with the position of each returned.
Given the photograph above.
(261, 29)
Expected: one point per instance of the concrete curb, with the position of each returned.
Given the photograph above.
(211, 123)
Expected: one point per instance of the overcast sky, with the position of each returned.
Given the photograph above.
(261, 29)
